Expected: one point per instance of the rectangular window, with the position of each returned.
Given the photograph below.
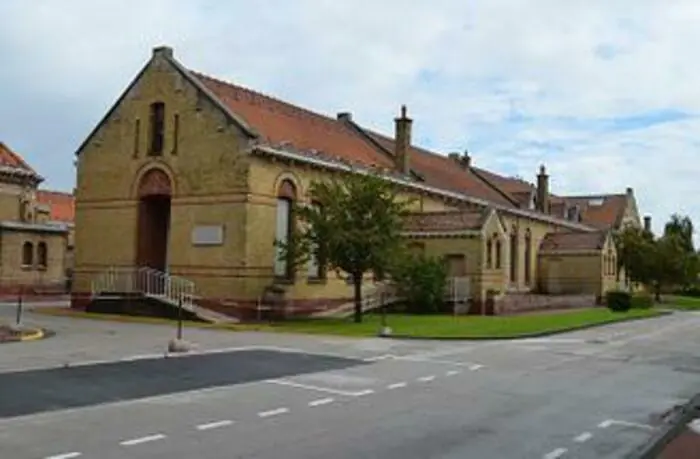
(489, 254)
(176, 132)
(157, 128)
(137, 137)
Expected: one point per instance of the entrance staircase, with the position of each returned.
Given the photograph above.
(147, 289)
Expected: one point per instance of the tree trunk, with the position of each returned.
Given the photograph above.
(357, 284)
(657, 293)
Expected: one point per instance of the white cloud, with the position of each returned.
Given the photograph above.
(466, 70)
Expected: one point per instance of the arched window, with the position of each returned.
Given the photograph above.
(41, 254)
(489, 254)
(27, 254)
(286, 196)
(514, 255)
(528, 256)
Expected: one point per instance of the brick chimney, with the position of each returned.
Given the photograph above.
(402, 142)
(542, 199)
(647, 223)
(163, 51)
(463, 160)
(344, 117)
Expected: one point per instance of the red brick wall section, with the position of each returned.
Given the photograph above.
(528, 302)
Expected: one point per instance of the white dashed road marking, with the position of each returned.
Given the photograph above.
(584, 437)
(397, 385)
(321, 401)
(65, 456)
(364, 392)
(277, 412)
(426, 378)
(475, 367)
(452, 373)
(559, 452)
(138, 441)
(215, 425)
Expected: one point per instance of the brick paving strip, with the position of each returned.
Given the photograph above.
(681, 437)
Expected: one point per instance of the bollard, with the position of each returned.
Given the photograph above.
(19, 307)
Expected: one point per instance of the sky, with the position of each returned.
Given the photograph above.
(605, 93)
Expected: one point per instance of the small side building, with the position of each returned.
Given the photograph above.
(577, 263)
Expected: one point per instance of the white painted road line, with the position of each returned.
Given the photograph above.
(278, 411)
(364, 392)
(397, 385)
(609, 422)
(452, 372)
(285, 382)
(584, 437)
(426, 378)
(65, 456)
(215, 425)
(138, 441)
(475, 367)
(559, 452)
(322, 401)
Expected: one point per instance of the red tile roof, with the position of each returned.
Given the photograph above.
(62, 204)
(608, 214)
(11, 159)
(278, 122)
(573, 241)
(443, 172)
(444, 221)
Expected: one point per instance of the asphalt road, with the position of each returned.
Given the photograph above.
(591, 394)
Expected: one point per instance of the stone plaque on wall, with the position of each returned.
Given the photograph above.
(208, 235)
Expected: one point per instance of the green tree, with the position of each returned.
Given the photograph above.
(670, 263)
(681, 228)
(634, 253)
(421, 280)
(354, 227)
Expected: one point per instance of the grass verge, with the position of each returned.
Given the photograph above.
(685, 303)
(415, 326)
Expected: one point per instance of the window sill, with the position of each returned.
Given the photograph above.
(41, 267)
(26, 267)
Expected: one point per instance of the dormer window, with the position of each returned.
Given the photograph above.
(157, 128)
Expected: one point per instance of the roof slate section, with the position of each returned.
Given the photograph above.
(605, 216)
(573, 241)
(9, 158)
(280, 123)
(61, 204)
(444, 221)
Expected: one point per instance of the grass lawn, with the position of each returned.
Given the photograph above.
(687, 303)
(429, 326)
(463, 326)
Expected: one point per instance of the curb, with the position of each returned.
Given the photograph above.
(674, 426)
(525, 335)
(33, 334)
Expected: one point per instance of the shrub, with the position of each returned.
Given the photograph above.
(421, 281)
(642, 301)
(618, 301)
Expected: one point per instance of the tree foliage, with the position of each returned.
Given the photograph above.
(353, 226)
(662, 262)
(421, 280)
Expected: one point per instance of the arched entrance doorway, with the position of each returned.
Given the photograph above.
(154, 193)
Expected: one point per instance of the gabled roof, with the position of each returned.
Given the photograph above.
(281, 123)
(600, 211)
(445, 221)
(61, 204)
(573, 241)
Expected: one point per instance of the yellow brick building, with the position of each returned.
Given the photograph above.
(34, 244)
(191, 178)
